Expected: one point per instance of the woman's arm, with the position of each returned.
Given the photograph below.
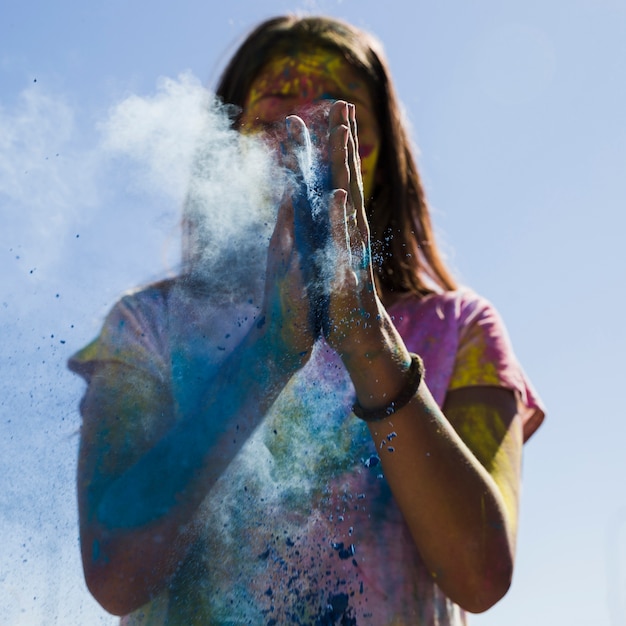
(138, 496)
(454, 473)
(455, 476)
(142, 476)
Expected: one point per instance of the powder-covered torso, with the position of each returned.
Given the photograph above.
(302, 528)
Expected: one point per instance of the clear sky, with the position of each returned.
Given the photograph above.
(519, 111)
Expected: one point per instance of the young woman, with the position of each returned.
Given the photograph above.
(284, 458)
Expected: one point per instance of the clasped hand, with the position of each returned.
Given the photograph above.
(319, 273)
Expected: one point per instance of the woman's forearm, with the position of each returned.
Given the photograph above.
(179, 470)
(453, 506)
(140, 528)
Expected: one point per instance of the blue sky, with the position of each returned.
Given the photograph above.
(519, 111)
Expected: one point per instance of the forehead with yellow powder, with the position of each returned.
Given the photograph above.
(311, 75)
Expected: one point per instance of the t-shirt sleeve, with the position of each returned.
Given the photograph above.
(485, 357)
(133, 335)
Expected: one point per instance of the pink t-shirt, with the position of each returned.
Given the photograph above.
(464, 343)
(302, 527)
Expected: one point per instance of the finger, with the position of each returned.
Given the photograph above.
(338, 139)
(342, 261)
(337, 212)
(354, 132)
(342, 114)
(338, 114)
(340, 171)
(298, 144)
(351, 252)
(354, 160)
(281, 241)
(359, 249)
(354, 165)
(296, 129)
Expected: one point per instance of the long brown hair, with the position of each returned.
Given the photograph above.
(406, 257)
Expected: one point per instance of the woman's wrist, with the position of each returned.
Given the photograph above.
(376, 359)
(362, 332)
(377, 381)
(412, 380)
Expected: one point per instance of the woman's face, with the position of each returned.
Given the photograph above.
(289, 84)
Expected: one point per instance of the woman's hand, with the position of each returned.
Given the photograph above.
(287, 308)
(320, 276)
(356, 313)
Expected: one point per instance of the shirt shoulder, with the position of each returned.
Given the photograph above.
(134, 333)
(464, 342)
